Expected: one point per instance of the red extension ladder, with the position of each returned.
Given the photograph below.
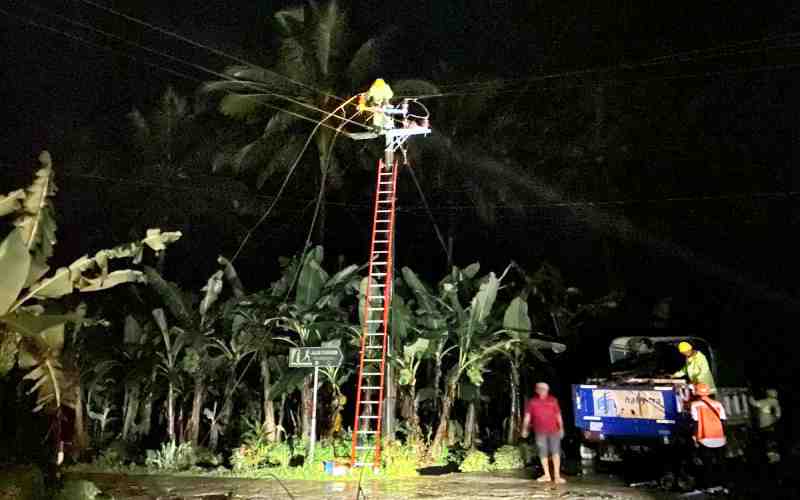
(366, 448)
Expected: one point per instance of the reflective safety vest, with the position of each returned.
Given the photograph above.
(709, 415)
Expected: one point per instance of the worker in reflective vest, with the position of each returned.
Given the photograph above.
(709, 436)
(696, 369)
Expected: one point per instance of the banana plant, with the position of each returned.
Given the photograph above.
(316, 314)
(174, 343)
(37, 335)
(475, 341)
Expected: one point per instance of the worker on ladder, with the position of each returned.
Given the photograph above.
(378, 96)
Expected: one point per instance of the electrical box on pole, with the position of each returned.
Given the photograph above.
(396, 124)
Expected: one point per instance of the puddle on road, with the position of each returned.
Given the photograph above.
(506, 486)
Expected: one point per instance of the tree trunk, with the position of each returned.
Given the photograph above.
(281, 417)
(130, 411)
(444, 419)
(80, 436)
(409, 410)
(470, 425)
(171, 413)
(514, 414)
(269, 428)
(306, 406)
(227, 404)
(193, 427)
(147, 416)
(437, 376)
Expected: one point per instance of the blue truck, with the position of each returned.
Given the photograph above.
(639, 407)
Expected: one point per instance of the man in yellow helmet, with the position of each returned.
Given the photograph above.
(378, 95)
(696, 368)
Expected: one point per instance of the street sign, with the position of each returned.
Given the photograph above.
(316, 358)
(312, 357)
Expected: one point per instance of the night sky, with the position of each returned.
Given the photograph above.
(711, 215)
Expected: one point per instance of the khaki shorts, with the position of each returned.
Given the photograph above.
(549, 445)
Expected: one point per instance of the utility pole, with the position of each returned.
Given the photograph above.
(375, 378)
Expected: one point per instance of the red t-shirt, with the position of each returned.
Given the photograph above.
(543, 414)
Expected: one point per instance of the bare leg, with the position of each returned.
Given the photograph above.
(546, 467)
(557, 468)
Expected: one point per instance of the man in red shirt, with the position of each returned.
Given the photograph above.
(543, 415)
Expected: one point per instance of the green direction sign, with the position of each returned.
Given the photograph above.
(310, 357)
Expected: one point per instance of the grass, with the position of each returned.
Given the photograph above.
(313, 472)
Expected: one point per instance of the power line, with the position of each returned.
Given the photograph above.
(204, 46)
(613, 82)
(93, 44)
(660, 60)
(246, 83)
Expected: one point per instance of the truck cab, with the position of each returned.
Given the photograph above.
(636, 403)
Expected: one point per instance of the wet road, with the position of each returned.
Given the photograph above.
(511, 485)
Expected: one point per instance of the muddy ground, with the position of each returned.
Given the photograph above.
(512, 485)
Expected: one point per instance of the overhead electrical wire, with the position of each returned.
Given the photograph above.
(664, 59)
(195, 43)
(502, 85)
(245, 83)
(94, 44)
(286, 180)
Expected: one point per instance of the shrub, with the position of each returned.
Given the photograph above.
(116, 454)
(402, 460)
(475, 461)
(455, 455)
(171, 456)
(251, 456)
(204, 456)
(78, 490)
(508, 457)
(22, 482)
(528, 453)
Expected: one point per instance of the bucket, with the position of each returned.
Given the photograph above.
(331, 468)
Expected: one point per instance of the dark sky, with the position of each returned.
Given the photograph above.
(50, 82)
(51, 85)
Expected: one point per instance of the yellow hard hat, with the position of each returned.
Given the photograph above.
(380, 91)
(684, 347)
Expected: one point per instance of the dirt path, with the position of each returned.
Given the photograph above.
(449, 487)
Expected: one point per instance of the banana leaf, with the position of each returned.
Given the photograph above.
(15, 263)
(516, 319)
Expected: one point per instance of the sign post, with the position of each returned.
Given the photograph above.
(314, 357)
(313, 418)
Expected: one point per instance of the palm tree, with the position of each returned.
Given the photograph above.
(468, 159)
(318, 59)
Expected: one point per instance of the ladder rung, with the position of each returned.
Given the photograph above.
(385, 173)
(379, 263)
(385, 192)
(370, 402)
(375, 309)
(378, 274)
(383, 221)
(367, 432)
(382, 230)
(378, 286)
(374, 321)
(382, 241)
(372, 360)
(383, 183)
(365, 447)
(380, 251)
(374, 346)
(370, 374)
(374, 335)
(368, 417)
